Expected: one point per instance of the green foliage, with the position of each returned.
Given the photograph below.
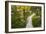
(19, 17)
(37, 10)
(36, 21)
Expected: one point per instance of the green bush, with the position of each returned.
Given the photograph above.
(36, 21)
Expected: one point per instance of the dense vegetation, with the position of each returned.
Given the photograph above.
(20, 13)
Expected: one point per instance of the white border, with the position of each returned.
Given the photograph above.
(25, 29)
